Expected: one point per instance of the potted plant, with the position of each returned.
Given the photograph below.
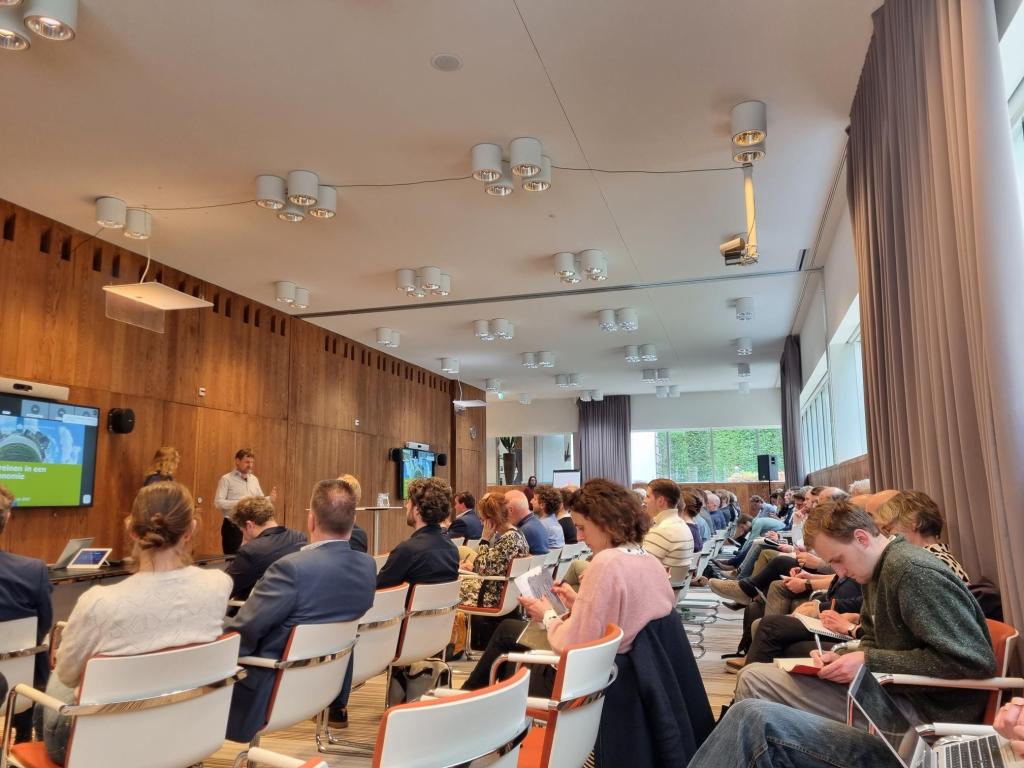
(508, 459)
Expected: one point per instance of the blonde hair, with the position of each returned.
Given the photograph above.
(165, 461)
(357, 489)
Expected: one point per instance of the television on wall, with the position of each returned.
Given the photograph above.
(48, 451)
(415, 463)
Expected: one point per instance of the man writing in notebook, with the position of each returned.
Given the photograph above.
(917, 618)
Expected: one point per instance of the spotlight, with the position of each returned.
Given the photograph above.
(546, 359)
(449, 365)
(503, 186)
(525, 157)
(749, 123)
(525, 398)
(291, 213)
(661, 392)
(585, 396)
(562, 381)
(430, 278)
(486, 162)
(542, 180)
(326, 204)
(285, 291)
(674, 391)
(597, 395)
(649, 375)
(12, 32)
(745, 308)
(482, 330)
(501, 328)
(627, 319)
(270, 192)
(405, 280)
(606, 320)
(648, 353)
(744, 346)
(417, 289)
(662, 375)
(445, 285)
(384, 337)
(138, 224)
(492, 385)
(743, 370)
(575, 379)
(565, 266)
(303, 187)
(302, 301)
(52, 19)
(751, 154)
(110, 211)
(595, 265)
(632, 353)
(529, 360)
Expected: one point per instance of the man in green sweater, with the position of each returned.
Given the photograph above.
(917, 618)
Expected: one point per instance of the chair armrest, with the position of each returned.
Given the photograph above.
(467, 575)
(257, 661)
(955, 729)
(530, 657)
(542, 705)
(277, 760)
(21, 689)
(441, 693)
(985, 684)
(235, 603)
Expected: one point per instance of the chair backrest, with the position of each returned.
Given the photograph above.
(454, 730)
(18, 654)
(379, 630)
(428, 626)
(584, 671)
(569, 553)
(314, 664)
(510, 592)
(195, 680)
(473, 544)
(458, 541)
(1004, 641)
(379, 561)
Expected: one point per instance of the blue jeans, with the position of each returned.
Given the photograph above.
(764, 734)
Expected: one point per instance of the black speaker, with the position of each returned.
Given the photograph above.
(121, 420)
(442, 459)
(767, 467)
(396, 454)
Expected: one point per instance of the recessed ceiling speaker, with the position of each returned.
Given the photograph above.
(121, 421)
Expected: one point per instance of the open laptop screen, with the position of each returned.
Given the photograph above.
(890, 723)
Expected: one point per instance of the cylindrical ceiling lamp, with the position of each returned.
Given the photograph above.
(430, 278)
(750, 154)
(482, 329)
(138, 224)
(585, 396)
(511, 334)
(502, 186)
(529, 360)
(525, 157)
(745, 308)
(648, 353)
(12, 31)
(565, 265)
(445, 286)
(594, 264)
(649, 375)
(663, 374)
(562, 381)
(285, 291)
(111, 212)
(417, 288)
(449, 365)
(525, 398)
(661, 392)
(291, 213)
(303, 187)
(632, 353)
(302, 299)
(52, 19)
(486, 162)
(743, 370)
(326, 204)
(597, 395)
(606, 320)
(542, 180)
(384, 337)
(501, 328)
(270, 192)
(405, 280)
(674, 391)
(744, 346)
(744, 387)
(575, 379)
(749, 123)
(492, 385)
(546, 359)
(627, 319)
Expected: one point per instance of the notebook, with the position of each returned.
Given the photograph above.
(815, 626)
(803, 666)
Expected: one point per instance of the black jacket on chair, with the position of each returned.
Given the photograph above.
(468, 525)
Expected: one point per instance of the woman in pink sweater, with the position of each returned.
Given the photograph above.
(623, 585)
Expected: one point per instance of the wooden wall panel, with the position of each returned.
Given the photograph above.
(841, 475)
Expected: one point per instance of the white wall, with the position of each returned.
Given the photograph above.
(701, 410)
(541, 417)
(841, 286)
(812, 331)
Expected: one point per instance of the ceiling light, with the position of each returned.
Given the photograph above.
(575, 379)
(525, 398)
(744, 346)
(661, 392)
(542, 180)
(486, 162)
(430, 278)
(110, 212)
(446, 62)
(525, 157)
(674, 391)
(12, 32)
(285, 291)
(585, 396)
(270, 192)
(291, 213)
(648, 353)
(632, 353)
(663, 375)
(743, 370)
(303, 187)
(326, 204)
(384, 337)
(502, 186)
(546, 359)
(565, 265)
(745, 308)
(52, 19)
(445, 286)
(482, 330)
(492, 385)
(302, 300)
(449, 365)
(529, 360)
(597, 395)
(417, 288)
(749, 123)
(606, 320)
(405, 280)
(649, 375)
(502, 329)
(627, 319)
(594, 263)
(562, 381)
(138, 223)
(744, 387)
(750, 154)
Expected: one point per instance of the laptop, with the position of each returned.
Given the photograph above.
(71, 549)
(906, 742)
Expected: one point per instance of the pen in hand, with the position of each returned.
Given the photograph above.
(817, 642)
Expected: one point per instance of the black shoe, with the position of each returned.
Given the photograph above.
(337, 717)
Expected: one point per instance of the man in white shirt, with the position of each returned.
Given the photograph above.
(232, 488)
(669, 539)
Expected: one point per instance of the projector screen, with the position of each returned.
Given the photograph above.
(47, 452)
(563, 477)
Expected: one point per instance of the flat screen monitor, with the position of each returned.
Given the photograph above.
(48, 451)
(560, 478)
(414, 464)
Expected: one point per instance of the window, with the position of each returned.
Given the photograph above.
(703, 455)
(816, 429)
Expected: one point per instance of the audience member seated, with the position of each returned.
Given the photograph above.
(165, 604)
(323, 582)
(916, 517)
(264, 540)
(565, 518)
(521, 516)
(428, 555)
(690, 505)
(164, 465)
(717, 515)
(669, 538)
(546, 503)
(917, 618)
(501, 543)
(467, 523)
(24, 592)
(359, 541)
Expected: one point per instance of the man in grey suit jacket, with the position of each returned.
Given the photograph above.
(323, 582)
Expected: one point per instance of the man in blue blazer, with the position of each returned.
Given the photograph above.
(323, 582)
(24, 592)
(467, 522)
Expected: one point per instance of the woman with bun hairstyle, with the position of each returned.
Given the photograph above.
(167, 602)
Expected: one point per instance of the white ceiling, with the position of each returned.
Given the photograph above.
(181, 104)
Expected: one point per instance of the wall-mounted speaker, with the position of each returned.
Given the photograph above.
(121, 420)
(395, 454)
(767, 467)
(442, 459)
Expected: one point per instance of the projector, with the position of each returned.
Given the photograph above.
(733, 251)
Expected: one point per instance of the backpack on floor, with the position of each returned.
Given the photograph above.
(410, 683)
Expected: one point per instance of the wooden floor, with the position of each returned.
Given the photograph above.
(367, 704)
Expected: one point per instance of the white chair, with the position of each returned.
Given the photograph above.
(427, 627)
(18, 651)
(129, 705)
(569, 553)
(473, 544)
(573, 713)
(275, 759)
(509, 598)
(458, 541)
(309, 674)
(379, 561)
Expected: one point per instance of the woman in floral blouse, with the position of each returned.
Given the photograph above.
(501, 543)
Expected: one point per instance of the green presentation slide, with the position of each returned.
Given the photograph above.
(43, 485)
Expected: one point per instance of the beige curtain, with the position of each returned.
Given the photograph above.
(940, 250)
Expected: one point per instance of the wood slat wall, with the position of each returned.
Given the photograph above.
(311, 403)
(841, 475)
